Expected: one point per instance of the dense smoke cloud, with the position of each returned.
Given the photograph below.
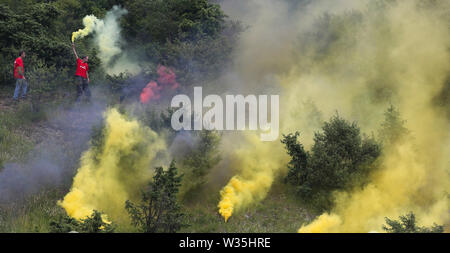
(115, 170)
(357, 58)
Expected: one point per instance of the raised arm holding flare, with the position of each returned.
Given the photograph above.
(74, 50)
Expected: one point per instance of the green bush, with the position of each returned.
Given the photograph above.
(339, 160)
(192, 36)
(91, 224)
(159, 122)
(159, 211)
(198, 162)
(407, 224)
(393, 128)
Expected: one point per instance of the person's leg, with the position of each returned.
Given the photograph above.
(17, 90)
(87, 92)
(79, 88)
(25, 87)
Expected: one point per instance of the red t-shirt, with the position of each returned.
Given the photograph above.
(82, 68)
(18, 63)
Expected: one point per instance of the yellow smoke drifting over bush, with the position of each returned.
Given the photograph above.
(413, 175)
(89, 23)
(356, 63)
(114, 172)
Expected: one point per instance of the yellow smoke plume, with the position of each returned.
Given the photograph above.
(394, 52)
(258, 163)
(115, 172)
(413, 175)
(89, 23)
(109, 42)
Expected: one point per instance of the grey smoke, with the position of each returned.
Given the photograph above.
(54, 161)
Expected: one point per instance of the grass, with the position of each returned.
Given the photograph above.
(16, 128)
(17, 138)
(15, 142)
(279, 212)
(33, 214)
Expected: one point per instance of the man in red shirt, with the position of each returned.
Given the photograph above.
(21, 81)
(82, 75)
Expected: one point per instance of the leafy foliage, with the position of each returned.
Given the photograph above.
(92, 224)
(159, 211)
(339, 159)
(192, 36)
(198, 162)
(393, 128)
(172, 20)
(407, 224)
(32, 30)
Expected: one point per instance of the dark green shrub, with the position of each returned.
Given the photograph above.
(198, 162)
(339, 160)
(407, 224)
(393, 128)
(92, 224)
(159, 211)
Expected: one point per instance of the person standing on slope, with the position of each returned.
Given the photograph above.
(19, 73)
(82, 75)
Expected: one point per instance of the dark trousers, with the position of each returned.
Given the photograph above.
(82, 88)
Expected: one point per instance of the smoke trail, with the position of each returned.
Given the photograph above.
(258, 165)
(114, 171)
(269, 39)
(89, 22)
(108, 40)
(50, 162)
(166, 80)
(356, 59)
(150, 91)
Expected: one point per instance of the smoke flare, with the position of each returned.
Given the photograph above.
(258, 165)
(115, 171)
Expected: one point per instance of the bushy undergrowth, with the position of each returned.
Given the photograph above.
(159, 211)
(92, 224)
(408, 224)
(340, 159)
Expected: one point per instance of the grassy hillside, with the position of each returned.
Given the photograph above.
(279, 212)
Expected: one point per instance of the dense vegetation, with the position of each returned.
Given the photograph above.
(339, 160)
(407, 224)
(194, 37)
(159, 211)
(91, 224)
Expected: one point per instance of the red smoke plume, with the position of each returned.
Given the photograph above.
(166, 81)
(167, 77)
(151, 91)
